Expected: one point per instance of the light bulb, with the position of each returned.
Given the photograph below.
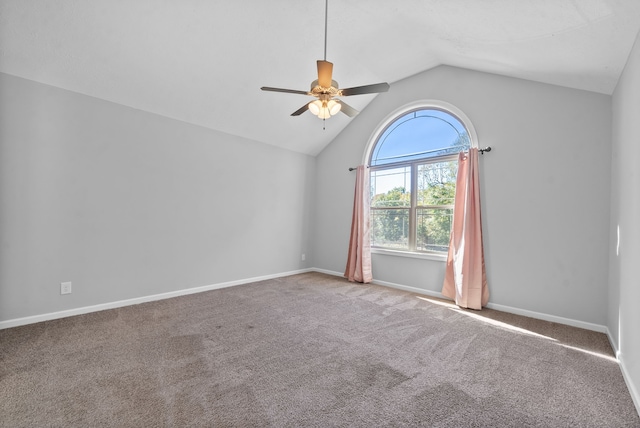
(334, 107)
(315, 106)
(324, 113)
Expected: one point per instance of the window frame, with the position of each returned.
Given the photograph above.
(445, 107)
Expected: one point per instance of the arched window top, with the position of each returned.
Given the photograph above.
(413, 164)
(425, 131)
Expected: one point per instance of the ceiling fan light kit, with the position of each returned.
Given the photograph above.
(326, 90)
(324, 107)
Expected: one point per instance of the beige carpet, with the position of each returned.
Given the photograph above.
(308, 350)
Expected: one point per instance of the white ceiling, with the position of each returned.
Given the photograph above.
(203, 61)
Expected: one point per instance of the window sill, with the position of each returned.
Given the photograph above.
(409, 254)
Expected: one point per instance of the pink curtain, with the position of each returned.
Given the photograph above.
(359, 257)
(465, 280)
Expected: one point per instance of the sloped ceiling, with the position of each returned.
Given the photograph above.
(203, 61)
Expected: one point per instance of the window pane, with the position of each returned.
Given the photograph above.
(437, 183)
(413, 168)
(391, 187)
(420, 134)
(390, 228)
(434, 229)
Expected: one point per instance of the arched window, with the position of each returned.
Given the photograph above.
(413, 162)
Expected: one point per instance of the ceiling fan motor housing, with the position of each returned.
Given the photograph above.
(317, 90)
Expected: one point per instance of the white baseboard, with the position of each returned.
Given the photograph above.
(328, 272)
(118, 304)
(410, 289)
(531, 314)
(613, 343)
(87, 309)
(633, 391)
(551, 318)
(387, 284)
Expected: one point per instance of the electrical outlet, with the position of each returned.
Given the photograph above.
(65, 288)
(304, 257)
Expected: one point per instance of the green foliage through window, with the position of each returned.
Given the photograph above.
(423, 158)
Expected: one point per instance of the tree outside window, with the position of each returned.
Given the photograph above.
(413, 170)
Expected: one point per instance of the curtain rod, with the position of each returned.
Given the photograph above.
(486, 149)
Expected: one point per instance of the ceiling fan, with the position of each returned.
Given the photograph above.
(326, 90)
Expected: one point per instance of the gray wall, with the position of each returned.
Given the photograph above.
(624, 288)
(545, 219)
(126, 204)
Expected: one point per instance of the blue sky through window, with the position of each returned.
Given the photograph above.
(418, 134)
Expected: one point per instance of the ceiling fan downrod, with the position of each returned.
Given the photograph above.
(326, 15)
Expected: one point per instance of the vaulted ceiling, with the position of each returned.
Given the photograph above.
(204, 61)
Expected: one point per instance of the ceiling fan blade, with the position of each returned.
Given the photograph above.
(288, 91)
(346, 108)
(366, 89)
(325, 71)
(301, 110)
